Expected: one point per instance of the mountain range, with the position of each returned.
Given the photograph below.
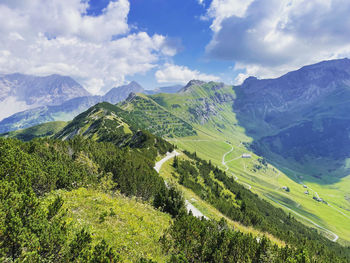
(49, 90)
(115, 184)
(301, 116)
(293, 132)
(54, 98)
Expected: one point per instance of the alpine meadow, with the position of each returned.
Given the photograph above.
(174, 131)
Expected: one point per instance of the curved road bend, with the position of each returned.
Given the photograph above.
(226, 167)
(189, 206)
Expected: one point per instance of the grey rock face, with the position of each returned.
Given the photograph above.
(168, 89)
(118, 94)
(192, 83)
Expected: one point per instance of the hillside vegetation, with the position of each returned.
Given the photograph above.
(224, 124)
(129, 226)
(75, 200)
(155, 118)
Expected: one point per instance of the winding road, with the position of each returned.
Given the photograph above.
(224, 156)
(189, 206)
(224, 163)
(166, 158)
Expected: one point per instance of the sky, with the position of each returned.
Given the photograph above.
(103, 43)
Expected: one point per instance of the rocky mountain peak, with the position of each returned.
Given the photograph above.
(40, 90)
(192, 83)
(120, 93)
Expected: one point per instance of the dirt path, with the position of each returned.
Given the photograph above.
(189, 206)
(224, 163)
(166, 158)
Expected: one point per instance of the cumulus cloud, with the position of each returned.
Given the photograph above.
(270, 37)
(171, 73)
(222, 9)
(44, 37)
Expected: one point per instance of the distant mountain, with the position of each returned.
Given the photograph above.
(302, 117)
(118, 94)
(65, 111)
(19, 92)
(168, 89)
(49, 90)
(299, 95)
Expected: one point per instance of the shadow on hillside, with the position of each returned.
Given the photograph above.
(317, 150)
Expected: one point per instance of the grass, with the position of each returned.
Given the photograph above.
(155, 118)
(131, 227)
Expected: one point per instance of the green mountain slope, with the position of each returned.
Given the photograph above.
(101, 119)
(131, 227)
(155, 118)
(223, 139)
(31, 171)
(234, 201)
(106, 122)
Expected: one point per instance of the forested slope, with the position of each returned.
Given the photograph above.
(105, 153)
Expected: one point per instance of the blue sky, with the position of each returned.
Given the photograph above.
(181, 22)
(103, 43)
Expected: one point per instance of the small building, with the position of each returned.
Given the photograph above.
(304, 186)
(306, 192)
(286, 188)
(246, 155)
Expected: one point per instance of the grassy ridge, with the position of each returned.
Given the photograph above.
(155, 118)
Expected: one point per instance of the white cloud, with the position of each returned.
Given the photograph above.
(171, 73)
(11, 105)
(44, 37)
(270, 37)
(221, 9)
(201, 2)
